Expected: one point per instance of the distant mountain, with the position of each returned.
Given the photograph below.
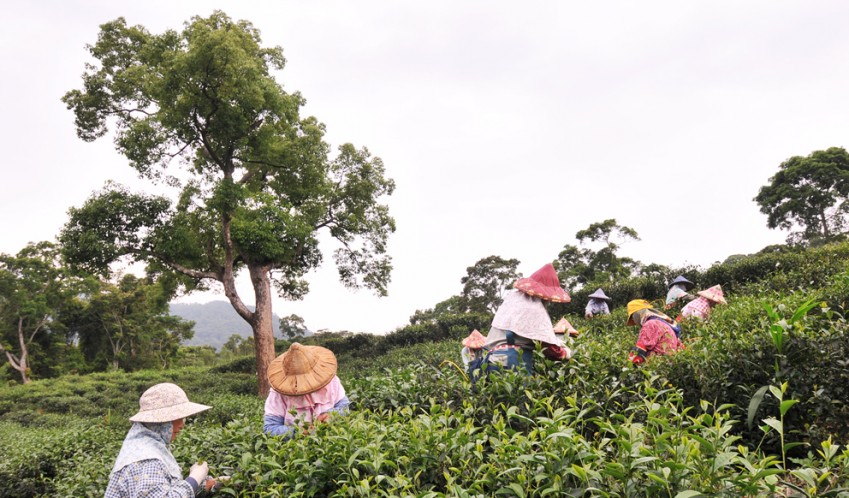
(215, 322)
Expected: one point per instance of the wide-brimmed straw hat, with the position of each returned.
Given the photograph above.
(476, 340)
(302, 370)
(165, 402)
(714, 294)
(544, 284)
(681, 280)
(599, 294)
(564, 326)
(641, 304)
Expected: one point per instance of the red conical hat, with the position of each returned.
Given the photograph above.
(544, 284)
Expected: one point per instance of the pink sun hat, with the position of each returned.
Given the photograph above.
(544, 284)
(475, 340)
(714, 294)
(564, 326)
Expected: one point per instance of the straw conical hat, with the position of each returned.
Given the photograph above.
(544, 284)
(714, 294)
(476, 340)
(302, 370)
(564, 326)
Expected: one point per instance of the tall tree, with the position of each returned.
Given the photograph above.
(258, 180)
(292, 326)
(583, 265)
(486, 281)
(811, 192)
(33, 290)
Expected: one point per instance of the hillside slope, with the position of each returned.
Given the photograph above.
(215, 322)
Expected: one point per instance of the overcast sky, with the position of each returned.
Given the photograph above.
(507, 126)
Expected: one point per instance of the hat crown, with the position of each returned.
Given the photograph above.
(162, 396)
(544, 284)
(298, 361)
(547, 276)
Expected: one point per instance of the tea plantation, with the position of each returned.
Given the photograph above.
(756, 405)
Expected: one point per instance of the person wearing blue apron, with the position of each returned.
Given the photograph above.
(522, 320)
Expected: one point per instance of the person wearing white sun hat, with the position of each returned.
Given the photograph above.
(145, 466)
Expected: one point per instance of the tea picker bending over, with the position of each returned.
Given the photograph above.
(679, 290)
(522, 319)
(658, 334)
(597, 305)
(145, 466)
(472, 348)
(304, 382)
(702, 306)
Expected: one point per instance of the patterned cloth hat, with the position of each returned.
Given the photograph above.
(681, 280)
(544, 284)
(165, 402)
(714, 294)
(302, 370)
(564, 326)
(599, 294)
(641, 304)
(476, 340)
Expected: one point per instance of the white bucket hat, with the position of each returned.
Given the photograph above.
(164, 403)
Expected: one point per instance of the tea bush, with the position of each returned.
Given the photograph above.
(593, 426)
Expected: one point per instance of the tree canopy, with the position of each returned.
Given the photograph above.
(486, 281)
(810, 192)
(583, 265)
(199, 110)
(34, 292)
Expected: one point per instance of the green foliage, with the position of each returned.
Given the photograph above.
(486, 281)
(127, 325)
(810, 192)
(36, 296)
(592, 426)
(258, 183)
(601, 266)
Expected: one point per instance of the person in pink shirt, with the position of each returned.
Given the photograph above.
(304, 390)
(658, 334)
(702, 306)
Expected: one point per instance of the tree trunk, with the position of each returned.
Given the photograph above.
(824, 221)
(19, 363)
(262, 326)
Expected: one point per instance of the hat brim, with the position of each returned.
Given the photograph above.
(687, 284)
(603, 298)
(536, 289)
(716, 299)
(321, 373)
(169, 413)
(657, 312)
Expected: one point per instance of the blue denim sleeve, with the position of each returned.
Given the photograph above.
(341, 406)
(276, 426)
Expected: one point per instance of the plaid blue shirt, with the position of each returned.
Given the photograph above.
(149, 479)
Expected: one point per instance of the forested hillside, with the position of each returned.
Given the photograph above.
(215, 322)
